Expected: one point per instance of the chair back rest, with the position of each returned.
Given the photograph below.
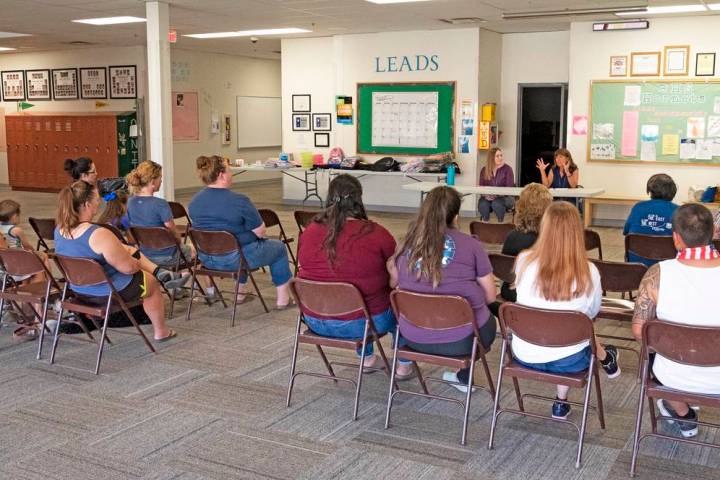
(546, 328)
(329, 299)
(115, 231)
(81, 271)
(491, 233)
(686, 344)
(213, 242)
(178, 211)
(652, 247)
(269, 217)
(19, 262)
(303, 218)
(432, 312)
(155, 238)
(43, 227)
(620, 276)
(503, 266)
(592, 240)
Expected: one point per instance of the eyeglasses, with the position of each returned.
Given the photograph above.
(90, 172)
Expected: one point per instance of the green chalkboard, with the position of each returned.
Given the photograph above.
(655, 121)
(445, 117)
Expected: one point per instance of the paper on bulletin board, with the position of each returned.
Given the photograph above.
(713, 126)
(704, 150)
(630, 134)
(687, 149)
(603, 131)
(648, 151)
(649, 133)
(185, 123)
(670, 144)
(580, 125)
(602, 151)
(632, 95)
(696, 127)
(716, 148)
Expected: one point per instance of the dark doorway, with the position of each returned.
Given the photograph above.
(541, 126)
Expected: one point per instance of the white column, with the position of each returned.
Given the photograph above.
(159, 93)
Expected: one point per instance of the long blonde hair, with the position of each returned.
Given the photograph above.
(563, 271)
(490, 163)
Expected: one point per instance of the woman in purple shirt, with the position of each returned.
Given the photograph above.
(437, 258)
(496, 174)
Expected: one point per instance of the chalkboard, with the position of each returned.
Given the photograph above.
(405, 118)
(259, 122)
(655, 121)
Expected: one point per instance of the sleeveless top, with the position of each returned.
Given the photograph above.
(558, 181)
(13, 241)
(688, 295)
(80, 247)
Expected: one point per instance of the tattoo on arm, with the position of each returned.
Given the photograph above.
(646, 303)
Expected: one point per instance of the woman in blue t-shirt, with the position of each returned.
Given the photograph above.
(218, 208)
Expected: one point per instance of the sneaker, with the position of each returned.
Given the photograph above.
(453, 377)
(560, 410)
(51, 325)
(610, 364)
(172, 279)
(687, 429)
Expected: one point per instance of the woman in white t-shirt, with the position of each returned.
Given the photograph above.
(555, 274)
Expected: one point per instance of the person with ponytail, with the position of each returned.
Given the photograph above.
(81, 168)
(342, 245)
(437, 258)
(115, 211)
(132, 274)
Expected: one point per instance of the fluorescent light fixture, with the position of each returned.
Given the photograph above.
(630, 25)
(110, 20)
(13, 34)
(249, 33)
(569, 12)
(714, 6)
(387, 2)
(669, 9)
(6, 49)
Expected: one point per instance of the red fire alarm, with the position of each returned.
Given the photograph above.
(172, 35)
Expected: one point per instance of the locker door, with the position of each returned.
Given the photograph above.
(41, 177)
(13, 141)
(109, 146)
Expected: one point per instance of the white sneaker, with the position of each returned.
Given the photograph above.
(452, 377)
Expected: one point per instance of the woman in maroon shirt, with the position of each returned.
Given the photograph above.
(342, 245)
(495, 173)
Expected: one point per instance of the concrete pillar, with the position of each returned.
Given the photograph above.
(159, 93)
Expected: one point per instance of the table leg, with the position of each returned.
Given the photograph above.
(588, 212)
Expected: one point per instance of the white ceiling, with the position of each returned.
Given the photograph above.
(49, 21)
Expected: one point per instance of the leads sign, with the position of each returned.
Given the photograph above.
(413, 63)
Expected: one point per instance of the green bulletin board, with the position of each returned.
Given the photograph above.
(655, 121)
(445, 117)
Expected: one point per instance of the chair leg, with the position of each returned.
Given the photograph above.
(293, 363)
(131, 317)
(382, 354)
(57, 330)
(518, 396)
(600, 406)
(237, 290)
(419, 374)
(392, 378)
(488, 375)
(257, 290)
(43, 321)
(102, 338)
(653, 415)
(360, 372)
(586, 406)
(326, 362)
(192, 294)
(638, 421)
(468, 395)
(496, 404)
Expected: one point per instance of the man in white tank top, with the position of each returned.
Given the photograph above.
(683, 290)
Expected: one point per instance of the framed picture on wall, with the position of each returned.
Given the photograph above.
(322, 139)
(65, 84)
(301, 122)
(322, 122)
(618, 66)
(301, 103)
(13, 85)
(93, 82)
(38, 84)
(677, 58)
(226, 129)
(123, 81)
(705, 64)
(644, 64)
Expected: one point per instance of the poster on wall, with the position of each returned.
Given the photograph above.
(226, 126)
(185, 122)
(38, 84)
(65, 84)
(343, 110)
(123, 81)
(13, 85)
(93, 82)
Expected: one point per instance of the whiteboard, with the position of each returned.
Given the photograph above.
(405, 119)
(259, 122)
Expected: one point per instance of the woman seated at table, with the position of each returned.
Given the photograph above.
(495, 173)
(342, 245)
(218, 208)
(437, 258)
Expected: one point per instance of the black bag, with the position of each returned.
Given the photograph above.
(386, 164)
(113, 184)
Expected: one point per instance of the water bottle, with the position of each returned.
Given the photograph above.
(451, 174)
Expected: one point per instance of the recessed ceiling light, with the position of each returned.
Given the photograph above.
(714, 6)
(667, 9)
(6, 49)
(249, 33)
(13, 34)
(384, 2)
(110, 20)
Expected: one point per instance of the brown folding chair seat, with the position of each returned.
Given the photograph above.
(271, 219)
(220, 243)
(86, 272)
(179, 211)
(491, 233)
(44, 228)
(437, 312)
(592, 241)
(332, 299)
(303, 218)
(652, 247)
(686, 344)
(547, 328)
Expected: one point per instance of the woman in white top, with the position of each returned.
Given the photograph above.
(556, 274)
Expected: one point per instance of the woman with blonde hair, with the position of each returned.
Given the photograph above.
(556, 274)
(495, 173)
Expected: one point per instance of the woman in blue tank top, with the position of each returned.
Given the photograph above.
(130, 273)
(563, 173)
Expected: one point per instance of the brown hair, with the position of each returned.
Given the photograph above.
(115, 209)
(210, 167)
(142, 175)
(490, 163)
(530, 207)
(565, 153)
(70, 199)
(8, 208)
(425, 240)
(563, 270)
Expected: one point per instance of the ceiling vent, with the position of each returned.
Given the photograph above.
(463, 20)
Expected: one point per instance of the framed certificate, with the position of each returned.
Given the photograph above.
(13, 85)
(38, 84)
(123, 81)
(93, 82)
(705, 64)
(676, 60)
(618, 66)
(644, 64)
(65, 84)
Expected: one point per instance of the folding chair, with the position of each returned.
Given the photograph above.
(333, 299)
(592, 241)
(436, 313)
(86, 272)
(503, 266)
(44, 228)
(178, 211)
(491, 233)
(271, 219)
(686, 344)
(652, 247)
(303, 218)
(547, 328)
(220, 243)
(157, 238)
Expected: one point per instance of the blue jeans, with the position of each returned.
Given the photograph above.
(260, 253)
(575, 363)
(384, 322)
(499, 205)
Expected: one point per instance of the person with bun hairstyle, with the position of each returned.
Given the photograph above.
(218, 208)
(81, 168)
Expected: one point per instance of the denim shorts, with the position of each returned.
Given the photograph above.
(169, 261)
(577, 362)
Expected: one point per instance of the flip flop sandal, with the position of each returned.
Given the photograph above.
(170, 336)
